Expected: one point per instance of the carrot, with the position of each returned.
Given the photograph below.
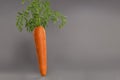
(31, 19)
(40, 43)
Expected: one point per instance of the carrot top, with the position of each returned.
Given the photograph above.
(38, 13)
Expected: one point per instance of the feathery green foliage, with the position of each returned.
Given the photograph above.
(38, 13)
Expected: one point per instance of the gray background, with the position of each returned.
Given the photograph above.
(88, 48)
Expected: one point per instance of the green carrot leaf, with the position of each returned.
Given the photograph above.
(38, 13)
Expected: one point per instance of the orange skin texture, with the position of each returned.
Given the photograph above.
(40, 43)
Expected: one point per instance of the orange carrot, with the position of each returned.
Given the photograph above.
(40, 43)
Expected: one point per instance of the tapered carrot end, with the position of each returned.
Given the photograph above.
(43, 70)
(43, 74)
